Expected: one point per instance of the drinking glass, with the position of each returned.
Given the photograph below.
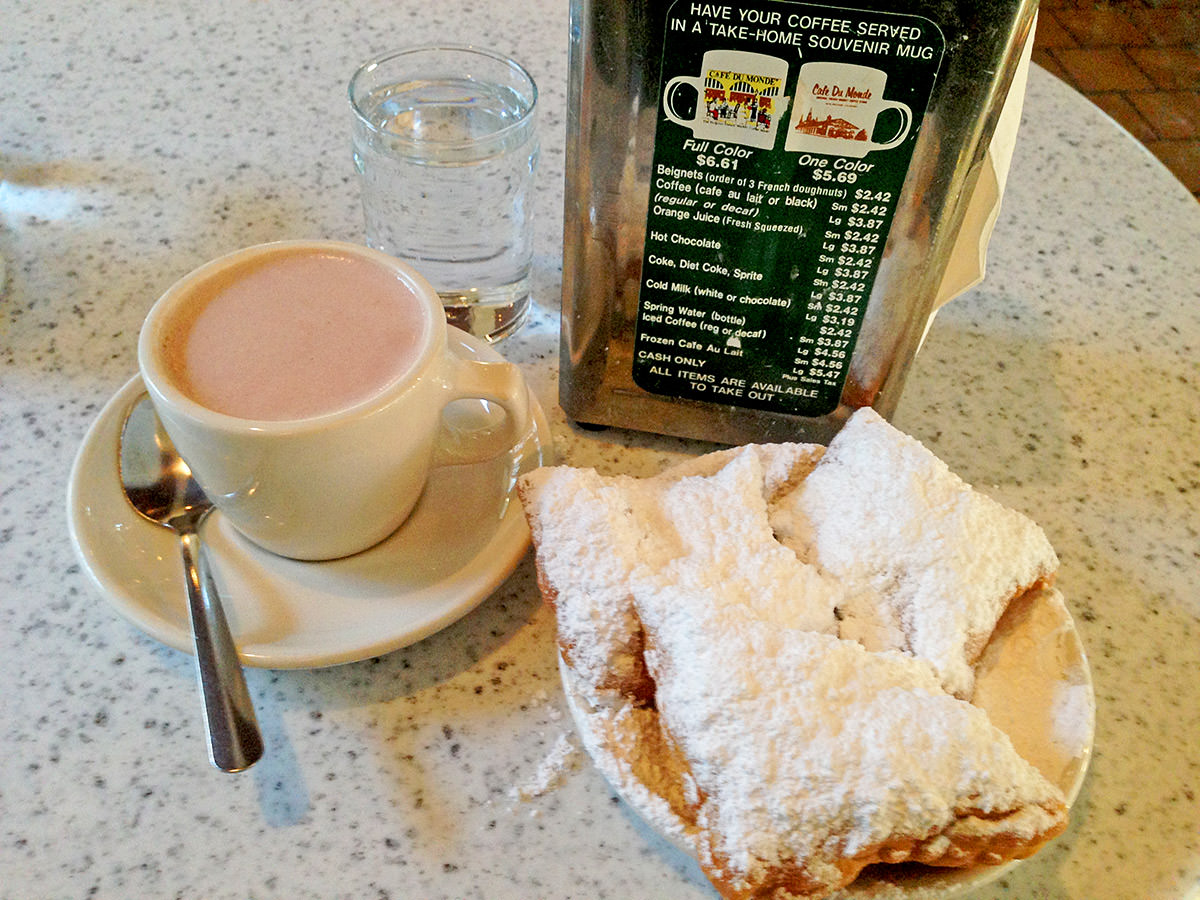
(446, 148)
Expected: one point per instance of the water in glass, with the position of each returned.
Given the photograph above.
(446, 167)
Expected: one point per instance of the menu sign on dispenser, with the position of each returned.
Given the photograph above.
(775, 178)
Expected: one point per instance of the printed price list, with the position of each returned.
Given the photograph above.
(754, 285)
(840, 287)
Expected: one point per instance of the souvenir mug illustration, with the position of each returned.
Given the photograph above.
(837, 105)
(739, 98)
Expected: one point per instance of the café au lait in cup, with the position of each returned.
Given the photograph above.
(304, 383)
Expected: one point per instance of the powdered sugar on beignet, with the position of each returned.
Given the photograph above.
(783, 465)
(698, 625)
(592, 532)
(816, 757)
(730, 551)
(928, 563)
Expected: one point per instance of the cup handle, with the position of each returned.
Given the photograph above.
(905, 114)
(501, 383)
(669, 94)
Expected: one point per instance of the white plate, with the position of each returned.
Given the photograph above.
(1035, 684)
(465, 536)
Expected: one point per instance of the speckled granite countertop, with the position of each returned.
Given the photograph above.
(140, 140)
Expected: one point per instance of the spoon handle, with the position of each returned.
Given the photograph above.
(234, 741)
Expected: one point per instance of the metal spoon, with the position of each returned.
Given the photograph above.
(161, 488)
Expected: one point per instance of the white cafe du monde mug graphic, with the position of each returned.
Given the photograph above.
(739, 98)
(837, 105)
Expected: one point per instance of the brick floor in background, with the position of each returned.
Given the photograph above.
(1139, 61)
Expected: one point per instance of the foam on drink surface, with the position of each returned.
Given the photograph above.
(295, 336)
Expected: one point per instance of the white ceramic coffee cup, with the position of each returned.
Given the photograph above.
(337, 483)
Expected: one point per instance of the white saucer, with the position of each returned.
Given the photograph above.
(465, 537)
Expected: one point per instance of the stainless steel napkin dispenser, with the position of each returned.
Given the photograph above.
(761, 201)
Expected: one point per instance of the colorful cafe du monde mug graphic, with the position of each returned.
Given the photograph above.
(740, 101)
(740, 98)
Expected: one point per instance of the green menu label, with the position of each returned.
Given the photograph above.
(785, 135)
